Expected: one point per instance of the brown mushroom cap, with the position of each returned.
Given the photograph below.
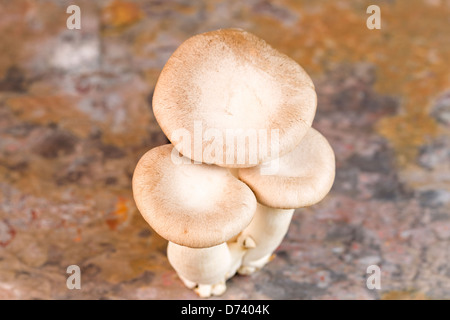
(193, 205)
(304, 177)
(230, 79)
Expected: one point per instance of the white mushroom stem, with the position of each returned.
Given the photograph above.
(262, 236)
(237, 254)
(202, 269)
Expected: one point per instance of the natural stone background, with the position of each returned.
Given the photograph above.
(75, 117)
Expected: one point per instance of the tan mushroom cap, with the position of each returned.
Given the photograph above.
(193, 205)
(229, 81)
(304, 176)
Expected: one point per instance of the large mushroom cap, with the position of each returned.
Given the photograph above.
(231, 82)
(193, 205)
(304, 176)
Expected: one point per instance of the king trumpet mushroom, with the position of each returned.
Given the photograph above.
(228, 98)
(303, 177)
(197, 208)
(231, 105)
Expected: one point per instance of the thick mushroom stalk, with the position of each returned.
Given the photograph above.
(202, 269)
(198, 208)
(263, 236)
(303, 178)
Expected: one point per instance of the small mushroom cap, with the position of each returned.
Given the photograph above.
(193, 205)
(304, 176)
(231, 82)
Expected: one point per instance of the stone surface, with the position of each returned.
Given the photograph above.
(75, 117)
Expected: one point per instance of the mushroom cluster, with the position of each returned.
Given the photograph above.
(243, 156)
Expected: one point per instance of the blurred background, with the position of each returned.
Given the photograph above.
(76, 115)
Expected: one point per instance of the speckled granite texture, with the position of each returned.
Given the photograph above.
(75, 117)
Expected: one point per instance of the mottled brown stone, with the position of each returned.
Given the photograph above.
(75, 117)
